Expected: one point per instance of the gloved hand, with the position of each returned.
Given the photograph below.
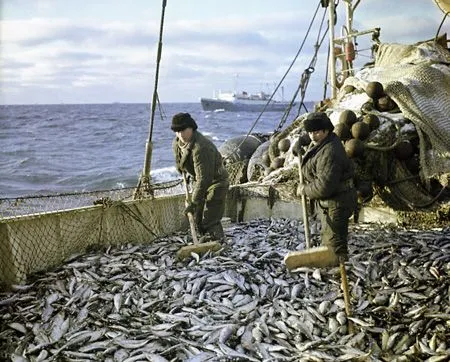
(298, 149)
(190, 209)
(300, 190)
(341, 252)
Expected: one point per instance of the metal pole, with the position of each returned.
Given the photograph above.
(349, 22)
(304, 206)
(332, 58)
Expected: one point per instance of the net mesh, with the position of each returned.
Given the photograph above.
(237, 171)
(404, 192)
(39, 232)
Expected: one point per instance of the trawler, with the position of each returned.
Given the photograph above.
(244, 102)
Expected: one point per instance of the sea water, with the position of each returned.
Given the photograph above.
(47, 149)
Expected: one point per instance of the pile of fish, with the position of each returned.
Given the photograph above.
(139, 303)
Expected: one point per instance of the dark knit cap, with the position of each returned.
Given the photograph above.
(181, 121)
(317, 121)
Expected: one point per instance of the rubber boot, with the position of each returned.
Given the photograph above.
(217, 233)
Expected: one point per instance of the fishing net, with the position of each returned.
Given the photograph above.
(417, 78)
(237, 171)
(404, 192)
(40, 232)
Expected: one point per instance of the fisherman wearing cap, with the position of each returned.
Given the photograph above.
(197, 156)
(328, 179)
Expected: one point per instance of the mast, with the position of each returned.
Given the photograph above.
(344, 41)
(349, 47)
(332, 57)
(144, 186)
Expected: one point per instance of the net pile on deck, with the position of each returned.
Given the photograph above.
(398, 134)
(417, 78)
(137, 302)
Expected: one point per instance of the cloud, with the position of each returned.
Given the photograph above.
(400, 21)
(62, 53)
(411, 29)
(81, 56)
(42, 32)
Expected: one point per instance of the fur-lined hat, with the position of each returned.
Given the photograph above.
(181, 121)
(317, 121)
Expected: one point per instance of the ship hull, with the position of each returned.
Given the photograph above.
(211, 104)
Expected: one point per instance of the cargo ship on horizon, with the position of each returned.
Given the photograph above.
(244, 102)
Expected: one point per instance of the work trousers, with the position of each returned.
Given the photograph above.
(334, 216)
(209, 213)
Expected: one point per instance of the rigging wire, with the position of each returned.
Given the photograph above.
(277, 87)
(306, 75)
(325, 82)
(308, 72)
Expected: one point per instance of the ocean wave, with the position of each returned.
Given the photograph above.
(165, 174)
(96, 147)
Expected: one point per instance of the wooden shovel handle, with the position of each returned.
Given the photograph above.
(346, 295)
(304, 208)
(189, 215)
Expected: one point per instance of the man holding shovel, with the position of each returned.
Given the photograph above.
(198, 157)
(328, 178)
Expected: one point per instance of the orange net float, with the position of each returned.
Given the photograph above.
(349, 51)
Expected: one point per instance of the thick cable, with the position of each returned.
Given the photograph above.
(440, 26)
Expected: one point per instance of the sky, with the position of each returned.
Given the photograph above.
(104, 51)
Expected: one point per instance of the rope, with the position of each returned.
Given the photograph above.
(157, 186)
(399, 139)
(108, 203)
(415, 205)
(307, 74)
(305, 77)
(135, 216)
(440, 26)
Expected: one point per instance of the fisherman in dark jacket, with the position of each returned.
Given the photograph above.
(328, 179)
(198, 157)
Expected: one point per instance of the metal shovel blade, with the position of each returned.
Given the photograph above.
(319, 257)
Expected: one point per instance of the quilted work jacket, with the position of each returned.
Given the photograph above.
(202, 160)
(327, 169)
